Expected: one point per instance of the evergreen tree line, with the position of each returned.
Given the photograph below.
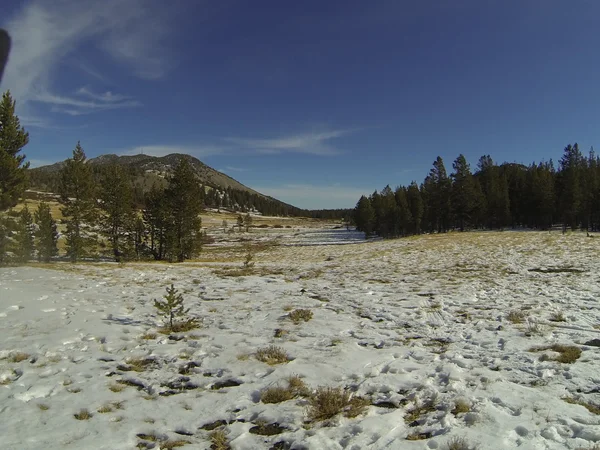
(509, 195)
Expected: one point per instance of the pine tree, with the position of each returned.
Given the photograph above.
(13, 168)
(364, 216)
(139, 237)
(247, 221)
(5, 230)
(438, 187)
(403, 213)
(46, 234)
(240, 222)
(463, 192)
(118, 215)
(24, 244)
(156, 217)
(77, 195)
(172, 307)
(415, 204)
(184, 202)
(570, 198)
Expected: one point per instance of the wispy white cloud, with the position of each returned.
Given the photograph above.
(314, 143)
(40, 162)
(163, 150)
(45, 34)
(234, 169)
(311, 196)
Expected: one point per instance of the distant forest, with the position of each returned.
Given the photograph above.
(211, 196)
(538, 196)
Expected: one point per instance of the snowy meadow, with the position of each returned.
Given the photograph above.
(481, 340)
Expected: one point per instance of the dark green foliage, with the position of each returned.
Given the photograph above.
(46, 235)
(240, 222)
(416, 207)
(24, 238)
(184, 203)
(118, 215)
(172, 306)
(463, 193)
(156, 219)
(13, 168)
(78, 197)
(6, 226)
(364, 216)
(495, 197)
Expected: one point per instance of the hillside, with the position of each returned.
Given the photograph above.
(152, 166)
(221, 190)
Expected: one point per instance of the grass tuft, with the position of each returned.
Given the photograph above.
(461, 406)
(568, 354)
(272, 355)
(516, 316)
(459, 443)
(219, 441)
(83, 414)
(17, 357)
(43, 406)
(594, 409)
(300, 315)
(327, 402)
(557, 317)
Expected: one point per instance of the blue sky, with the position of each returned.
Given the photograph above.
(313, 102)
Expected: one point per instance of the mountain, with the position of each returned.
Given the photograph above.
(153, 167)
(221, 191)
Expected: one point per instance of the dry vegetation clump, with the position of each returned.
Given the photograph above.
(427, 406)
(83, 414)
(516, 316)
(557, 317)
(461, 406)
(459, 443)
(327, 402)
(219, 441)
(299, 315)
(594, 409)
(272, 355)
(568, 354)
(17, 357)
(278, 394)
(139, 364)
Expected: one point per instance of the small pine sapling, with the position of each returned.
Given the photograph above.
(173, 307)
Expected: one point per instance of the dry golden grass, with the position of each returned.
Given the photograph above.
(181, 326)
(105, 409)
(149, 336)
(276, 394)
(459, 443)
(279, 333)
(594, 409)
(168, 445)
(461, 406)
(568, 354)
(327, 402)
(43, 406)
(299, 315)
(427, 406)
(17, 357)
(116, 387)
(272, 355)
(516, 316)
(219, 441)
(83, 414)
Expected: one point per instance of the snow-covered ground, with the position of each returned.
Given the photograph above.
(416, 326)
